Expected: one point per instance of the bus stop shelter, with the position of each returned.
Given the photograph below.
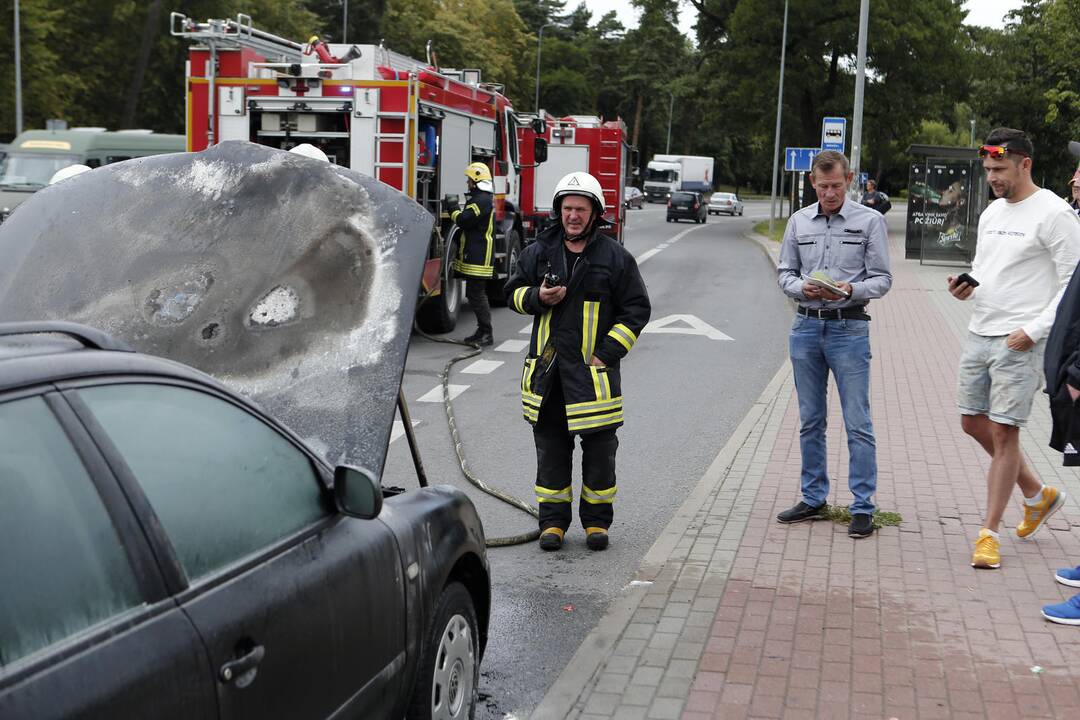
(947, 192)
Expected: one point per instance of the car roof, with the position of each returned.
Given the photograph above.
(33, 353)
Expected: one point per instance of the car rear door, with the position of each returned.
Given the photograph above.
(302, 610)
(87, 628)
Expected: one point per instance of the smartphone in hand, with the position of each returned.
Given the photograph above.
(965, 279)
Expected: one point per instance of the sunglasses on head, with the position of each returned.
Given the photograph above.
(999, 151)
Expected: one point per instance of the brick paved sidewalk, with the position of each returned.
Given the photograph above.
(734, 615)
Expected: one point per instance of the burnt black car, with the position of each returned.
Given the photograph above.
(684, 205)
(170, 549)
(194, 530)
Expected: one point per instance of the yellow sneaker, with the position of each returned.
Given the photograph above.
(1035, 516)
(987, 552)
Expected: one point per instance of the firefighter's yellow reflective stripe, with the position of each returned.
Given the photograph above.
(598, 497)
(544, 494)
(474, 206)
(594, 421)
(469, 270)
(526, 378)
(453, 215)
(593, 406)
(519, 299)
(489, 236)
(590, 315)
(543, 331)
(624, 335)
(601, 384)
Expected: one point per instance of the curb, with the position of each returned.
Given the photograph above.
(558, 703)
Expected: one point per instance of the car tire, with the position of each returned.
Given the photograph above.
(449, 679)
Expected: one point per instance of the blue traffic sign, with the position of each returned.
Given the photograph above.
(863, 177)
(799, 159)
(833, 133)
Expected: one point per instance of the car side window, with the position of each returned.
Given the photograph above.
(223, 483)
(62, 566)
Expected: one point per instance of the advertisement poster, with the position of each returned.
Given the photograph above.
(943, 210)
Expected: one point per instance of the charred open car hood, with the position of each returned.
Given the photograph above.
(291, 280)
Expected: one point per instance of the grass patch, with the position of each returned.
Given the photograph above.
(843, 516)
(762, 228)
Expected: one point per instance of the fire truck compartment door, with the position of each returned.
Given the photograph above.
(482, 136)
(454, 154)
(562, 160)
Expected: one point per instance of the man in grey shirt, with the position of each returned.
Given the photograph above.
(847, 242)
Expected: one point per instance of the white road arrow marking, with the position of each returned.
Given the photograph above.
(685, 325)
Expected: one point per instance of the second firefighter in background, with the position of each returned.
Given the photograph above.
(589, 304)
(474, 260)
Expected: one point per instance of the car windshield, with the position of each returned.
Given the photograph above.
(26, 170)
(654, 175)
(682, 197)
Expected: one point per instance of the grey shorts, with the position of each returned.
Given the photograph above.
(998, 382)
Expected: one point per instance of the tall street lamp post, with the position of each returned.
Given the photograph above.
(18, 75)
(671, 109)
(779, 109)
(539, 41)
(860, 81)
(344, 20)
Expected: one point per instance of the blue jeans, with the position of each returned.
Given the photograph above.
(843, 347)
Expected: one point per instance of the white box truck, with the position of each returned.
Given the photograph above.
(667, 173)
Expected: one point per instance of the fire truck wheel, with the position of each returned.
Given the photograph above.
(496, 296)
(439, 312)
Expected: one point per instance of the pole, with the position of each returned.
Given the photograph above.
(539, 42)
(18, 75)
(779, 110)
(671, 109)
(972, 132)
(860, 81)
(344, 20)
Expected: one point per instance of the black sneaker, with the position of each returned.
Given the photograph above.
(551, 539)
(801, 513)
(596, 538)
(482, 339)
(862, 525)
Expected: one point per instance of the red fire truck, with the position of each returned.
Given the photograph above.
(407, 123)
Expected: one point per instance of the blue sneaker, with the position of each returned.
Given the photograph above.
(1066, 613)
(1068, 576)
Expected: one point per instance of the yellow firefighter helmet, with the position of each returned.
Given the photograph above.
(478, 172)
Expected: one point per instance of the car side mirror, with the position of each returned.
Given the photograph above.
(539, 150)
(539, 125)
(357, 492)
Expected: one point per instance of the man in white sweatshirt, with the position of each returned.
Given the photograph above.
(1028, 246)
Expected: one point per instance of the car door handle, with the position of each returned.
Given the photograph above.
(235, 670)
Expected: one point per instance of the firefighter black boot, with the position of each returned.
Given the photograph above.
(551, 539)
(596, 538)
(481, 338)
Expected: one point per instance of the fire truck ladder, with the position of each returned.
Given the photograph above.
(231, 34)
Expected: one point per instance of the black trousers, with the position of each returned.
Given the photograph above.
(554, 468)
(476, 294)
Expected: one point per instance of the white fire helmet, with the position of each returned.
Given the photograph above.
(67, 172)
(579, 183)
(310, 151)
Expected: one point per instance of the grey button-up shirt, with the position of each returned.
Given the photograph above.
(851, 246)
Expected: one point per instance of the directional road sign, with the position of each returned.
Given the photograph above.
(833, 133)
(799, 159)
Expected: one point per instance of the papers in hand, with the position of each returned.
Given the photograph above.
(821, 279)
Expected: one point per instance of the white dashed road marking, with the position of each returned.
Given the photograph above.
(666, 244)
(399, 429)
(482, 367)
(513, 346)
(435, 394)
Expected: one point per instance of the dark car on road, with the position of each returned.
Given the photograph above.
(684, 205)
(633, 198)
(171, 551)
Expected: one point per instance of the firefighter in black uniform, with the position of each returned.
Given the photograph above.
(475, 256)
(589, 304)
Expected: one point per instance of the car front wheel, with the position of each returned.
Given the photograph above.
(447, 686)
